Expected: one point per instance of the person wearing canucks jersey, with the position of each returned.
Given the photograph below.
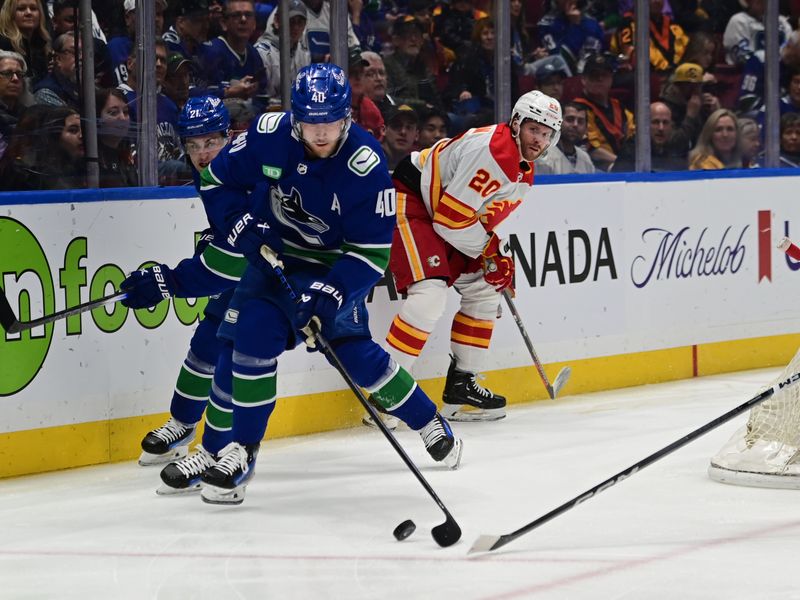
(329, 218)
(214, 271)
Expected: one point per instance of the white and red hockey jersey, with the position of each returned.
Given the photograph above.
(471, 183)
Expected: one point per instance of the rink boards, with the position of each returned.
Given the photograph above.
(628, 280)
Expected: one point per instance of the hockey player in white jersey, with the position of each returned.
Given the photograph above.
(450, 199)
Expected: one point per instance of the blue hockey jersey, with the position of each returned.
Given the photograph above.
(337, 212)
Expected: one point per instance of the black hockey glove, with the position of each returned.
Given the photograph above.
(148, 287)
(319, 303)
(248, 235)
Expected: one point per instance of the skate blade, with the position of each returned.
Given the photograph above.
(212, 494)
(166, 490)
(460, 415)
(390, 422)
(453, 458)
(146, 459)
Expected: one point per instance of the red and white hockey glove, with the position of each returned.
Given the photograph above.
(790, 248)
(498, 264)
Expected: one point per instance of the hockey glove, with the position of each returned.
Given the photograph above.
(249, 234)
(148, 287)
(318, 304)
(498, 265)
(206, 237)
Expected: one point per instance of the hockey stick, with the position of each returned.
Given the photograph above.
(563, 375)
(11, 324)
(487, 543)
(445, 534)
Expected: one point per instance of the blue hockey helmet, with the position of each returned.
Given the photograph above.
(202, 115)
(321, 94)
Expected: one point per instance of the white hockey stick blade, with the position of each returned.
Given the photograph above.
(484, 543)
(561, 380)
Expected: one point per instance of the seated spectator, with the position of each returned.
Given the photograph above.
(65, 13)
(609, 124)
(453, 24)
(667, 39)
(701, 50)
(750, 140)
(669, 148)
(120, 47)
(241, 113)
(317, 37)
(114, 147)
(232, 65)
(565, 30)
(190, 30)
(790, 140)
(402, 129)
(23, 30)
(718, 145)
(177, 79)
(751, 91)
(744, 34)
(60, 87)
(363, 26)
(436, 55)
(433, 126)
(49, 157)
(520, 40)
(363, 110)
(409, 79)
(471, 89)
(268, 46)
(550, 73)
(687, 101)
(567, 156)
(12, 90)
(375, 82)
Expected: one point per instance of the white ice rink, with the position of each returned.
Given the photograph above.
(317, 521)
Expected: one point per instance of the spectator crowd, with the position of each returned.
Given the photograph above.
(420, 70)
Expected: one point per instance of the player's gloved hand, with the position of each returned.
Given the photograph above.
(148, 287)
(498, 264)
(248, 234)
(319, 303)
(203, 241)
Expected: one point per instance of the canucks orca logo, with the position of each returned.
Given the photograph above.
(289, 210)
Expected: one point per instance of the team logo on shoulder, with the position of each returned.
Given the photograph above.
(289, 210)
(268, 122)
(363, 161)
(434, 261)
(302, 169)
(231, 316)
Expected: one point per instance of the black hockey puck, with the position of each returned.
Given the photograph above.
(405, 529)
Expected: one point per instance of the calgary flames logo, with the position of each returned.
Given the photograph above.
(496, 211)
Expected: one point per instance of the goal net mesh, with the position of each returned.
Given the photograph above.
(765, 452)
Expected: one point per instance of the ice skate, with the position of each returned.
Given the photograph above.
(441, 443)
(462, 390)
(225, 482)
(166, 444)
(183, 476)
(388, 420)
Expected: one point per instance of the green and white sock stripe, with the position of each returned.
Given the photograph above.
(254, 390)
(208, 181)
(193, 385)
(224, 263)
(392, 391)
(217, 417)
(375, 255)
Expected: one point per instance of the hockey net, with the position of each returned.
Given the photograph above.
(766, 451)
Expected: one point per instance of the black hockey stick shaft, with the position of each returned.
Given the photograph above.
(487, 543)
(11, 324)
(447, 533)
(562, 376)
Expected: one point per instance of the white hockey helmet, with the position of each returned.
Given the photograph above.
(538, 107)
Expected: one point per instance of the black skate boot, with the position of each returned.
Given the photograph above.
(440, 442)
(167, 443)
(183, 476)
(225, 482)
(390, 421)
(462, 389)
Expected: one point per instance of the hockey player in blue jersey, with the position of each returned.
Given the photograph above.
(330, 218)
(214, 270)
